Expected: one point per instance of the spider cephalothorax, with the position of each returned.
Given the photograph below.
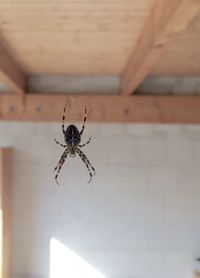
(72, 138)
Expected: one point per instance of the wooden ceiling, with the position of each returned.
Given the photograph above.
(88, 37)
(182, 56)
(72, 37)
(131, 39)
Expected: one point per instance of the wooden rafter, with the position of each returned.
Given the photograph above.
(5, 192)
(167, 20)
(10, 74)
(137, 109)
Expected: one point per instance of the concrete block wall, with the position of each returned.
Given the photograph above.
(139, 218)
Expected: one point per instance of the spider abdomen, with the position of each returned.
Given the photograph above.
(72, 136)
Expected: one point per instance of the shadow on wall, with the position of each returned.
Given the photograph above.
(64, 263)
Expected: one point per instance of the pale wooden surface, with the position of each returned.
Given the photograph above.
(72, 37)
(182, 57)
(167, 20)
(5, 196)
(136, 109)
(89, 37)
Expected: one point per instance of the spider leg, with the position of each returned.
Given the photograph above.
(85, 143)
(86, 159)
(63, 120)
(61, 164)
(62, 157)
(85, 117)
(64, 146)
(86, 164)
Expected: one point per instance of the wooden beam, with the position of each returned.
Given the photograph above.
(135, 109)
(5, 192)
(167, 19)
(10, 74)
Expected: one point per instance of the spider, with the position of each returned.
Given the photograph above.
(72, 138)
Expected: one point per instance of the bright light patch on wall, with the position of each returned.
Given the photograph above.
(64, 263)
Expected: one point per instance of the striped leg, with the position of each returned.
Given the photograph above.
(64, 146)
(85, 117)
(86, 163)
(87, 160)
(61, 159)
(85, 143)
(63, 120)
(61, 162)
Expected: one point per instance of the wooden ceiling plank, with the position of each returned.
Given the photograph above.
(167, 19)
(125, 109)
(10, 74)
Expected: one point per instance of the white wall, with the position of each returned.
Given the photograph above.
(139, 218)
